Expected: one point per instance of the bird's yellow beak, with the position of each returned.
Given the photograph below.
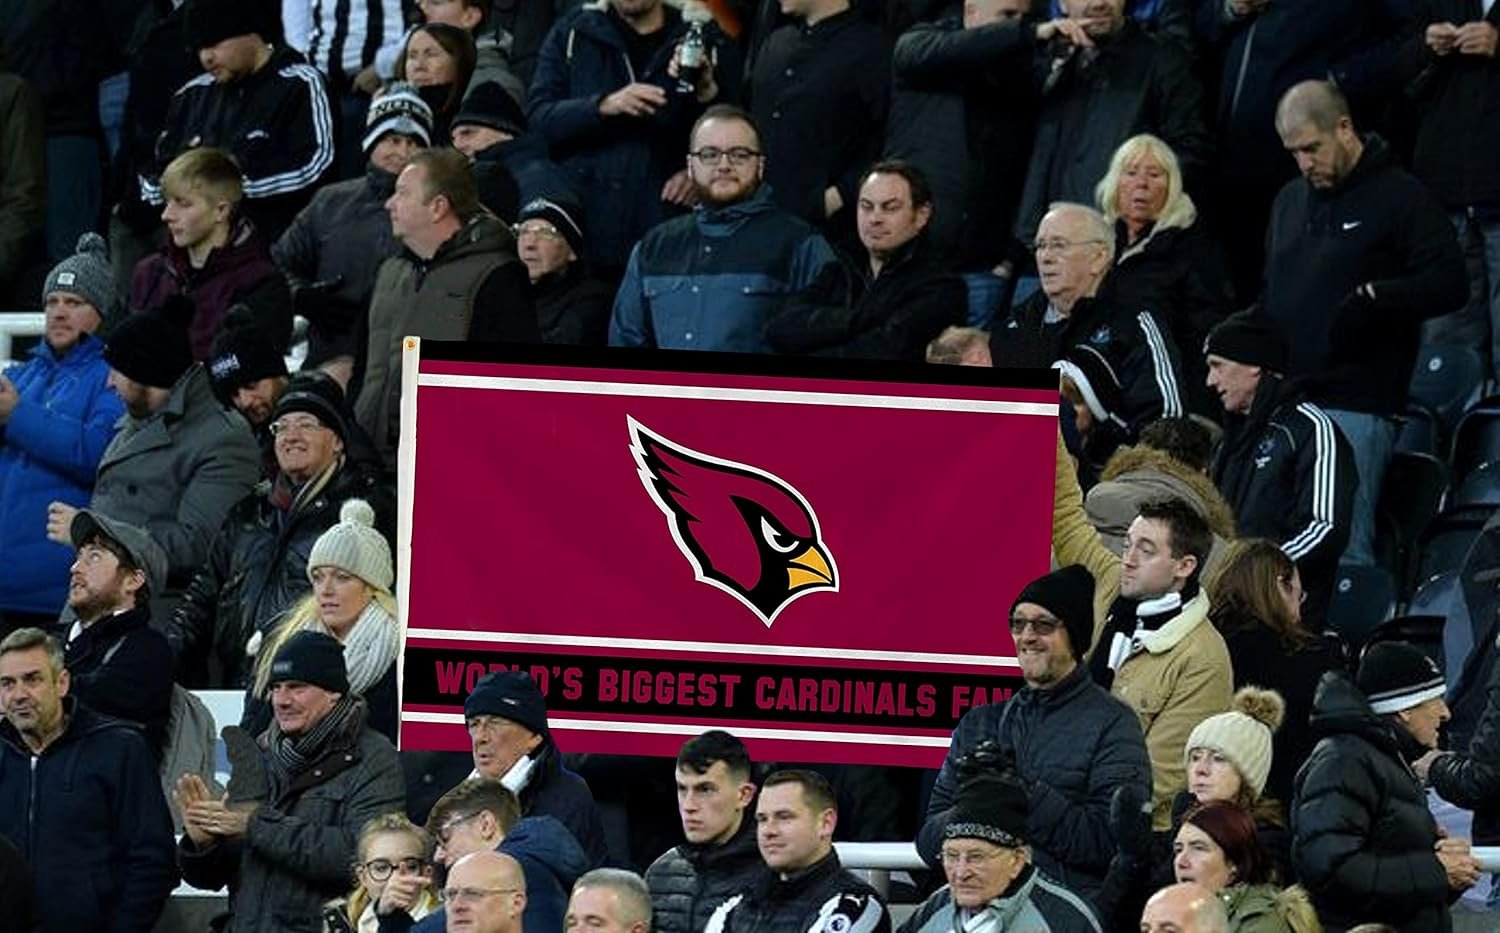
(809, 568)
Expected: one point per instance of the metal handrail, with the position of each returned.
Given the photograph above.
(19, 324)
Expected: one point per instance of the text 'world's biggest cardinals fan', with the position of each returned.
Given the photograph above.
(816, 557)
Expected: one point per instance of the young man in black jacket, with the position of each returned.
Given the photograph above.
(1284, 466)
(889, 303)
(1358, 254)
(719, 858)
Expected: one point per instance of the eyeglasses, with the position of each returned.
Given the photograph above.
(445, 832)
(1043, 627)
(470, 895)
(545, 231)
(973, 857)
(739, 155)
(296, 426)
(381, 869)
(1058, 245)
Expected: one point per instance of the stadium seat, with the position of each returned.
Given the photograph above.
(1363, 597)
(1414, 492)
(1421, 431)
(1445, 379)
(1447, 539)
(1480, 488)
(1477, 438)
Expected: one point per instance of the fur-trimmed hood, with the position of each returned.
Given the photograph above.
(1135, 474)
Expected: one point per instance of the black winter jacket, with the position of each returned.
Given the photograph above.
(1073, 745)
(893, 316)
(561, 794)
(1136, 344)
(17, 891)
(1178, 274)
(820, 94)
(277, 123)
(1458, 139)
(1472, 780)
(1287, 471)
(1137, 83)
(1380, 227)
(122, 667)
(1362, 837)
(256, 571)
(690, 881)
(89, 817)
(962, 112)
(573, 307)
(822, 898)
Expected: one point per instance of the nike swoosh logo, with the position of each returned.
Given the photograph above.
(1351, 224)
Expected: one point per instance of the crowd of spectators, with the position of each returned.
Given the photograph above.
(1229, 226)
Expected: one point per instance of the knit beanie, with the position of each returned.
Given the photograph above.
(319, 396)
(1243, 735)
(991, 805)
(1248, 338)
(209, 22)
(1096, 382)
(311, 657)
(510, 695)
(355, 546)
(242, 354)
(399, 110)
(86, 274)
(1068, 594)
(1395, 676)
(151, 346)
(489, 104)
(566, 217)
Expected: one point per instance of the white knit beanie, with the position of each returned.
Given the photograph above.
(355, 546)
(1243, 735)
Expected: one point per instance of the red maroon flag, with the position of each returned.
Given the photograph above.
(819, 559)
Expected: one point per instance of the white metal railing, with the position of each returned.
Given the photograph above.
(19, 324)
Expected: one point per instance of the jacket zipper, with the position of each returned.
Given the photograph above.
(1239, 80)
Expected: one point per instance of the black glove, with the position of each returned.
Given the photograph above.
(247, 768)
(1130, 822)
(986, 758)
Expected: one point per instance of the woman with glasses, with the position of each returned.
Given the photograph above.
(394, 879)
(1257, 607)
(351, 573)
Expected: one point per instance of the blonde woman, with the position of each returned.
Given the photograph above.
(394, 879)
(1164, 261)
(351, 573)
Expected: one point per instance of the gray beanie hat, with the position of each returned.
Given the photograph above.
(354, 545)
(86, 274)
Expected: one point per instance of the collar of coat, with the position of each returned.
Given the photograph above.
(1170, 634)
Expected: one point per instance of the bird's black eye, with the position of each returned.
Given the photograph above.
(775, 538)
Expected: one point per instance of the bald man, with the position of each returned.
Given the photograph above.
(1184, 908)
(486, 893)
(1358, 254)
(609, 900)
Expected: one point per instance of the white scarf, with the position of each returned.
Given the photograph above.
(370, 647)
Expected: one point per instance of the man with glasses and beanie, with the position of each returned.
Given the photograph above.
(572, 306)
(482, 816)
(257, 564)
(992, 881)
(285, 833)
(710, 280)
(1070, 742)
(1075, 249)
(1284, 466)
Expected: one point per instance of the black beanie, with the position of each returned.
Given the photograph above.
(489, 104)
(991, 805)
(1394, 676)
(243, 353)
(311, 657)
(565, 216)
(1248, 338)
(1067, 593)
(1096, 382)
(319, 396)
(510, 695)
(209, 22)
(151, 346)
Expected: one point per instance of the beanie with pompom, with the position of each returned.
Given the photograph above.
(1243, 735)
(355, 546)
(86, 274)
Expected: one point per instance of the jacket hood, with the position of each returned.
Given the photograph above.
(245, 245)
(724, 220)
(548, 843)
(1128, 462)
(88, 349)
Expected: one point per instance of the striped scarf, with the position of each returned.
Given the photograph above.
(294, 754)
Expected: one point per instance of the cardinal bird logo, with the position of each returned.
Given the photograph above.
(744, 530)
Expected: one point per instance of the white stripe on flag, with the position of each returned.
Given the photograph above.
(556, 723)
